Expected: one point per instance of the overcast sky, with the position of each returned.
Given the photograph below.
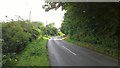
(11, 8)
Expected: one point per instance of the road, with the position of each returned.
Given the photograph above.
(62, 53)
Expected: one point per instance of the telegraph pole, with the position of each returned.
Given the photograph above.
(46, 23)
(30, 16)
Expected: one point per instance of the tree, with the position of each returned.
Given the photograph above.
(95, 23)
(16, 35)
(51, 29)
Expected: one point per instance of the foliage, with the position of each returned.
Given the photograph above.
(16, 35)
(51, 30)
(61, 34)
(96, 47)
(95, 23)
(35, 54)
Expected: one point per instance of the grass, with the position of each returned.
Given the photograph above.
(98, 48)
(35, 54)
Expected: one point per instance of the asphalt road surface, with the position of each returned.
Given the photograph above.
(62, 53)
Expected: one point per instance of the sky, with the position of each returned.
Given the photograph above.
(14, 8)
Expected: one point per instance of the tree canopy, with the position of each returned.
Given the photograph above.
(95, 23)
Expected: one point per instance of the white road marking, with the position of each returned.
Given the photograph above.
(69, 50)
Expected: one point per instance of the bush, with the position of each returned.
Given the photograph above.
(16, 35)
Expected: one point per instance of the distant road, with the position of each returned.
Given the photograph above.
(62, 53)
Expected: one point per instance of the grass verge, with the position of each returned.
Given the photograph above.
(35, 54)
(98, 48)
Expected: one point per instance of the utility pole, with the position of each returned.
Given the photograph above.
(30, 16)
(46, 23)
(46, 27)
